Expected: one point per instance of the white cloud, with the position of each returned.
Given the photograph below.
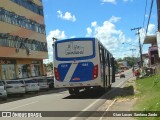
(66, 16)
(114, 19)
(94, 24)
(151, 29)
(89, 32)
(109, 1)
(114, 1)
(127, 0)
(57, 34)
(109, 35)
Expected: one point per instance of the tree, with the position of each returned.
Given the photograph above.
(49, 66)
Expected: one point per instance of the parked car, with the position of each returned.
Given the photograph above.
(3, 92)
(31, 85)
(50, 81)
(14, 87)
(42, 82)
(122, 75)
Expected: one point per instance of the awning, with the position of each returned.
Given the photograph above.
(151, 39)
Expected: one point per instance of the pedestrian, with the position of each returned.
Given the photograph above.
(137, 73)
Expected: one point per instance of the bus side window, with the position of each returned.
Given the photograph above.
(106, 59)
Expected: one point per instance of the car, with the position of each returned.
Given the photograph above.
(3, 92)
(14, 87)
(50, 81)
(42, 82)
(122, 75)
(31, 85)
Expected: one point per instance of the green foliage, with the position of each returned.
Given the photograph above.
(49, 66)
(130, 60)
(148, 96)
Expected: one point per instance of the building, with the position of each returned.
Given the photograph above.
(123, 65)
(153, 51)
(23, 43)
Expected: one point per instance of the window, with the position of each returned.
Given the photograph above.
(24, 70)
(23, 43)
(8, 71)
(30, 5)
(12, 18)
(36, 70)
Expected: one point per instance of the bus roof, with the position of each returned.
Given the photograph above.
(82, 38)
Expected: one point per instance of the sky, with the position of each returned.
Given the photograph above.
(110, 21)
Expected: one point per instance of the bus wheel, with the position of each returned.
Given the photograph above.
(73, 91)
(110, 86)
(76, 90)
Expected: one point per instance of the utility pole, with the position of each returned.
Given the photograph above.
(132, 59)
(140, 47)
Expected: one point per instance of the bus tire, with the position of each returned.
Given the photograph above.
(76, 90)
(110, 86)
(73, 91)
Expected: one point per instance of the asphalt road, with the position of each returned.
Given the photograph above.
(59, 100)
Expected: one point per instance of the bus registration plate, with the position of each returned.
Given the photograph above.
(76, 78)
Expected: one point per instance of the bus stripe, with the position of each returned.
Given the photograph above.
(70, 72)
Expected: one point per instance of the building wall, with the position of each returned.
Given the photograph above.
(20, 10)
(18, 63)
(21, 32)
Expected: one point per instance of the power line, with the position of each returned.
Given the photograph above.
(145, 13)
(149, 16)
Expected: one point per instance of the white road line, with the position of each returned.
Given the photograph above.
(112, 102)
(22, 106)
(108, 108)
(75, 117)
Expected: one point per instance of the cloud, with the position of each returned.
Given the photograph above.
(57, 34)
(89, 32)
(151, 29)
(109, 35)
(109, 1)
(66, 16)
(94, 24)
(127, 0)
(114, 19)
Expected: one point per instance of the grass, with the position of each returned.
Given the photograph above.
(148, 96)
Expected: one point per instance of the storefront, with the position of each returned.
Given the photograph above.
(20, 68)
(7, 69)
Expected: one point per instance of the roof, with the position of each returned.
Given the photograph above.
(151, 39)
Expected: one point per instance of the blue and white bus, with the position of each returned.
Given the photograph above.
(82, 63)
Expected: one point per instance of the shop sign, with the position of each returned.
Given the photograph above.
(35, 62)
(5, 61)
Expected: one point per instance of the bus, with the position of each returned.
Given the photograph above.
(82, 63)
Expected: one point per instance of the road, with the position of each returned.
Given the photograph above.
(60, 100)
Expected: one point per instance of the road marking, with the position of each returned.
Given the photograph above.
(22, 106)
(76, 116)
(108, 108)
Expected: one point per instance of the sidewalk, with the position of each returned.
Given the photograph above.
(120, 104)
(122, 99)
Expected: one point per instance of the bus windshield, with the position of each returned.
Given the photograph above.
(75, 49)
